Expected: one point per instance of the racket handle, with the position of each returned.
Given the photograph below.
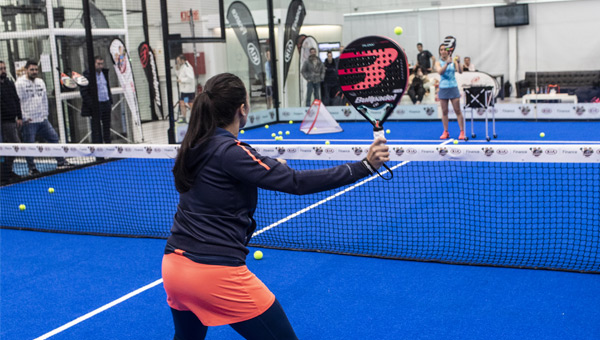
(378, 133)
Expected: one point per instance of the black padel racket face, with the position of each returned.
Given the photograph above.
(373, 74)
(450, 43)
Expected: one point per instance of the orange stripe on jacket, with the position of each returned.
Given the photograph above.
(251, 155)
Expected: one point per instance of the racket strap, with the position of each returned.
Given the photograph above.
(372, 170)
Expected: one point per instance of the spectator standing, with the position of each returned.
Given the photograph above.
(11, 121)
(424, 59)
(313, 71)
(34, 108)
(104, 99)
(186, 79)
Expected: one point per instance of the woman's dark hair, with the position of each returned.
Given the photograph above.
(215, 107)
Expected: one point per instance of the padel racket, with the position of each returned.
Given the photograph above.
(450, 43)
(79, 79)
(373, 74)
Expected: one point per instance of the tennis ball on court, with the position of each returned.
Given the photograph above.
(258, 255)
(51, 190)
(280, 133)
(291, 122)
(242, 132)
(398, 30)
(287, 132)
(542, 134)
(273, 134)
(326, 142)
(455, 141)
(388, 131)
(22, 207)
(267, 126)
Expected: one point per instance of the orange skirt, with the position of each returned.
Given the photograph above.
(217, 295)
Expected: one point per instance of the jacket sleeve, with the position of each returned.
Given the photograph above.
(19, 112)
(242, 162)
(304, 70)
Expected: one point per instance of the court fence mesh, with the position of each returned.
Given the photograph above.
(503, 205)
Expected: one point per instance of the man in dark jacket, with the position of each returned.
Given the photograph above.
(11, 121)
(331, 79)
(104, 100)
(313, 71)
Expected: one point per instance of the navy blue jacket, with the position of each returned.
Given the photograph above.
(214, 219)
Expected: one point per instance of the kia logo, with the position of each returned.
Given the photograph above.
(253, 54)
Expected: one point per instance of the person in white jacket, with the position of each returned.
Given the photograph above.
(34, 107)
(187, 85)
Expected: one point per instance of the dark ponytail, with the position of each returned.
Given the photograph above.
(215, 107)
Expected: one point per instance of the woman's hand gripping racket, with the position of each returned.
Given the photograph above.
(373, 74)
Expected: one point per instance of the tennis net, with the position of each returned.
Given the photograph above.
(502, 205)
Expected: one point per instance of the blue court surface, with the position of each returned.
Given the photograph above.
(98, 287)
(49, 280)
(413, 132)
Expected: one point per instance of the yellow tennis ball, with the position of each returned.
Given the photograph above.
(542, 135)
(267, 126)
(280, 133)
(51, 190)
(22, 207)
(273, 134)
(287, 132)
(398, 30)
(242, 132)
(455, 141)
(388, 131)
(258, 255)
(326, 142)
(291, 122)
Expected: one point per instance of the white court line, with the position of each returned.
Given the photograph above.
(99, 310)
(159, 281)
(339, 193)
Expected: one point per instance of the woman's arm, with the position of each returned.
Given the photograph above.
(243, 163)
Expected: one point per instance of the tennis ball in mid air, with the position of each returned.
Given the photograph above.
(267, 126)
(22, 207)
(287, 132)
(542, 134)
(242, 132)
(327, 142)
(280, 133)
(273, 134)
(398, 30)
(388, 131)
(51, 190)
(258, 255)
(455, 141)
(291, 122)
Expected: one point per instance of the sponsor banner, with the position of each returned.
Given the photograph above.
(542, 153)
(90, 150)
(124, 72)
(293, 22)
(241, 21)
(498, 153)
(568, 111)
(259, 118)
(149, 64)
(542, 111)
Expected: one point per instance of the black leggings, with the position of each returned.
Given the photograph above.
(272, 324)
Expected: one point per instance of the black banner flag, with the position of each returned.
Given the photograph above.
(293, 23)
(241, 21)
(149, 64)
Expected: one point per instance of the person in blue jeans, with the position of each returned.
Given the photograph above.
(34, 108)
(313, 71)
